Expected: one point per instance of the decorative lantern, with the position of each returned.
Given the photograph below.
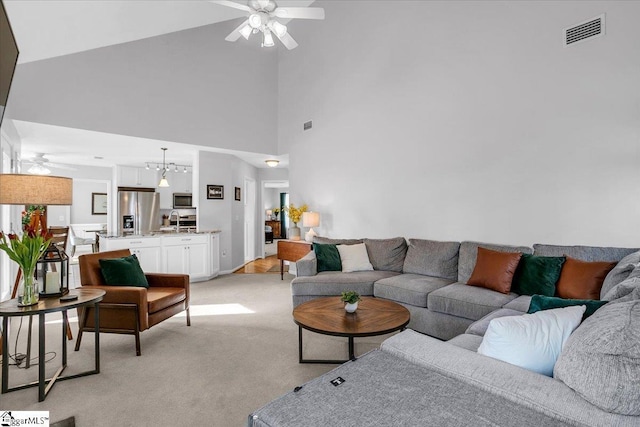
(53, 268)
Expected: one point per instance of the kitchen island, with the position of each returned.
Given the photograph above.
(194, 253)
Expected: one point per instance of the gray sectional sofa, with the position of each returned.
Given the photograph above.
(415, 379)
(429, 278)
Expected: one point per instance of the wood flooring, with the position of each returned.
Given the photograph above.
(265, 265)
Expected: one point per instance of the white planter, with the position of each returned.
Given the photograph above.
(351, 308)
(294, 233)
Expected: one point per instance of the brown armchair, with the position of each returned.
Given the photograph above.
(131, 309)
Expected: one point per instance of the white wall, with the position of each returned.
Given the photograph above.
(190, 86)
(227, 214)
(466, 121)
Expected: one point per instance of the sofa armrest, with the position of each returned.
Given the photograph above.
(307, 265)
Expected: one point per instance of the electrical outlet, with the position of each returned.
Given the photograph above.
(224, 253)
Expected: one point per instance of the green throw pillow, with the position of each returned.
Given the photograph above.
(123, 272)
(541, 302)
(328, 257)
(537, 275)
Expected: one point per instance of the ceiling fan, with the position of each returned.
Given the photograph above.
(263, 15)
(39, 165)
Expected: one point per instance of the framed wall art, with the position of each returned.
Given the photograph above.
(98, 203)
(215, 192)
(238, 193)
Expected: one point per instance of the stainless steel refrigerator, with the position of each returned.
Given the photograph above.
(138, 212)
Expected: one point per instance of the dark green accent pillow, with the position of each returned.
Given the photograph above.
(123, 272)
(328, 257)
(541, 302)
(537, 275)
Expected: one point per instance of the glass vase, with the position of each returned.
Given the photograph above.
(30, 294)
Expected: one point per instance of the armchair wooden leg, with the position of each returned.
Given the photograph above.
(81, 323)
(69, 333)
(188, 317)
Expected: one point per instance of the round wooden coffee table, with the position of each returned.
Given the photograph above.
(327, 316)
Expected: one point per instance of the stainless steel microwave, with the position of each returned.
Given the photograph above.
(182, 201)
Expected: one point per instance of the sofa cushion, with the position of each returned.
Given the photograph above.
(470, 302)
(583, 253)
(581, 279)
(531, 341)
(328, 241)
(469, 252)
(540, 302)
(479, 327)
(387, 254)
(354, 258)
(627, 289)
(125, 271)
(466, 341)
(408, 288)
(327, 257)
(334, 283)
(620, 272)
(161, 298)
(494, 270)
(537, 275)
(520, 304)
(601, 360)
(432, 258)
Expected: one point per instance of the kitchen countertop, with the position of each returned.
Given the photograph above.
(156, 234)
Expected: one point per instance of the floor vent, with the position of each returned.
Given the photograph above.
(584, 31)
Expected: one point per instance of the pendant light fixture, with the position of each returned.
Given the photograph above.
(163, 181)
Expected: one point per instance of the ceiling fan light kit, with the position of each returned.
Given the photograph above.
(262, 16)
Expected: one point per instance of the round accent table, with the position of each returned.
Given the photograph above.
(327, 316)
(10, 308)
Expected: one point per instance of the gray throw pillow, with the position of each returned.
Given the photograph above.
(432, 258)
(601, 359)
(387, 254)
(620, 272)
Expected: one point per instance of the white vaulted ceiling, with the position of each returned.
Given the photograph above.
(48, 30)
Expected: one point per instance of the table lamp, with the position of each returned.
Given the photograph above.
(19, 189)
(310, 219)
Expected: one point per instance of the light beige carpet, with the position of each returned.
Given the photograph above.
(240, 352)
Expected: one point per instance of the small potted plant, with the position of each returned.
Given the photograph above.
(350, 299)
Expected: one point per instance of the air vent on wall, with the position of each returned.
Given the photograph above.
(584, 31)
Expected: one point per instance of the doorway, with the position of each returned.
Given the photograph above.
(249, 220)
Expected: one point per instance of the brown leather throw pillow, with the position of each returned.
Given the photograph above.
(581, 279)
(494, 270)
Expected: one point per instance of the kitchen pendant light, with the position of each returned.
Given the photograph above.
(163, 181)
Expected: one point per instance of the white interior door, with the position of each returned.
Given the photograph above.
(249, 220)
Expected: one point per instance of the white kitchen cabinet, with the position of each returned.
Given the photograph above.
(187, 254)
(129, 176)
(166, 196)
(147, 249)
(214, 255)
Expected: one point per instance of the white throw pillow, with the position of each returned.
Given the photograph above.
(531, 341)
(354, 258)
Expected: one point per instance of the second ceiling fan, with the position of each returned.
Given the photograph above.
(262, 18)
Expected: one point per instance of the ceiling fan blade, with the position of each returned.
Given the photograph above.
(287, 41)
(232, 4)
(300, 12)
(235, 34)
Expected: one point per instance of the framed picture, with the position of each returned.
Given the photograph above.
(238, 193)
(215, 192)
(98, 203)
